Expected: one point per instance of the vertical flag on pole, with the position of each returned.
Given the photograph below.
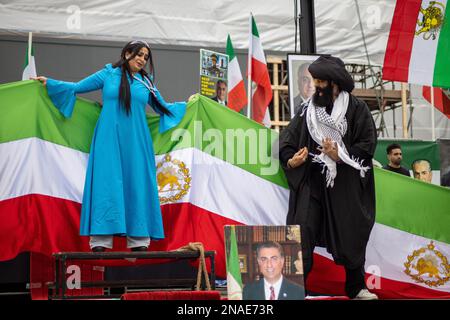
(234, 280)
(30, 66)
(419, 46)
(259, 74)
(236, 88)
(419, 43)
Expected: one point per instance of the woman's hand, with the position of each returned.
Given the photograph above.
(192, 96)
(42, 79)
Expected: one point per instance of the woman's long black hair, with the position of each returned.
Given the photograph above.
(134, 47)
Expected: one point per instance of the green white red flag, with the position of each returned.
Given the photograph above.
(259, 74)
(237, 98)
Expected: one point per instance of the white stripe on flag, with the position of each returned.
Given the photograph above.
(232, 192)
(30, 70)
(234, 74)
(423, 55)
(35, 166)
(257, 52)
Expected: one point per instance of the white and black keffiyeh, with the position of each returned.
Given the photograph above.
(321, 125)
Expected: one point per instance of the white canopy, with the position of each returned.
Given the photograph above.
(206, 23)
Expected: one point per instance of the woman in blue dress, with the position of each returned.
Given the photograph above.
(121, 193)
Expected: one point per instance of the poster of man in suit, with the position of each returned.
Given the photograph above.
(270, 263)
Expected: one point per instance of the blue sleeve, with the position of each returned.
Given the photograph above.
(167, 122)
(63, 94)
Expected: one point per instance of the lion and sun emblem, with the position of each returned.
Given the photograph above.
(173, 178)
(429, 266)
(432, 20)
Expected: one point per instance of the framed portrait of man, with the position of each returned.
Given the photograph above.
(301, 86)
(264, 263)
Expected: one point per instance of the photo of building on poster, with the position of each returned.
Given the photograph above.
(264, 263)
(213, 68)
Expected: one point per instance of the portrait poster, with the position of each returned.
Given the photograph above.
(301, 86)
(264, 263)
(213, 67)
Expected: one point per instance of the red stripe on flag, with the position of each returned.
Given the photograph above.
(263, 94)
(237, 98)
(328, 278)
(441, 100)
(399, 46)
(40, 224)
(185, 222)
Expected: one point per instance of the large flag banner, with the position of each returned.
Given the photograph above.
(419, 43)
(215, 169)
(262, 94)
(209, 168)
(237, 98)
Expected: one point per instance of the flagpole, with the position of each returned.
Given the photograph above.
(30, 42)
(404, 112)
(249, 69)
(433, 132)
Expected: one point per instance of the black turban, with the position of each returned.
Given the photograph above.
(332, 68)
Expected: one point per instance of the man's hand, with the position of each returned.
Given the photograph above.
(330, 148)
(298, 158)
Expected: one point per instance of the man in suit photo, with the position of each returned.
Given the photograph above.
(221, 92)
(305, 85)
(273, 285)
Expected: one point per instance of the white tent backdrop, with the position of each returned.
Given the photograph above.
(205, 23)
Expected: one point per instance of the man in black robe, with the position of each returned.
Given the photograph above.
(326, 153)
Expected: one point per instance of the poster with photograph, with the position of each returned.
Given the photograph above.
(264, 263)
(213, 69)
(301, 86)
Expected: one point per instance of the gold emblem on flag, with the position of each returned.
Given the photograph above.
(432, 19)
(429, 266)
(174, 179)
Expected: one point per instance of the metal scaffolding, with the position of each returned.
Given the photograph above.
(381, 96)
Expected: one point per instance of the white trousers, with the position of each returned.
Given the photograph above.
(107, 242)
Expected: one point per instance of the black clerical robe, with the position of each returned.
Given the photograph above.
(348, 208)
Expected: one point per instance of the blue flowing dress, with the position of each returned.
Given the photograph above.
(120, 193)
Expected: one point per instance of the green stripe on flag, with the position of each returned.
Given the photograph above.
(412, 206)
(27, 111)
(26, 56)
(255, 32)
(230, 50)
(441, 76)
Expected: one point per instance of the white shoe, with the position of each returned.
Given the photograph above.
(365, 294)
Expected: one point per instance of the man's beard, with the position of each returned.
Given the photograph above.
(326, 99)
